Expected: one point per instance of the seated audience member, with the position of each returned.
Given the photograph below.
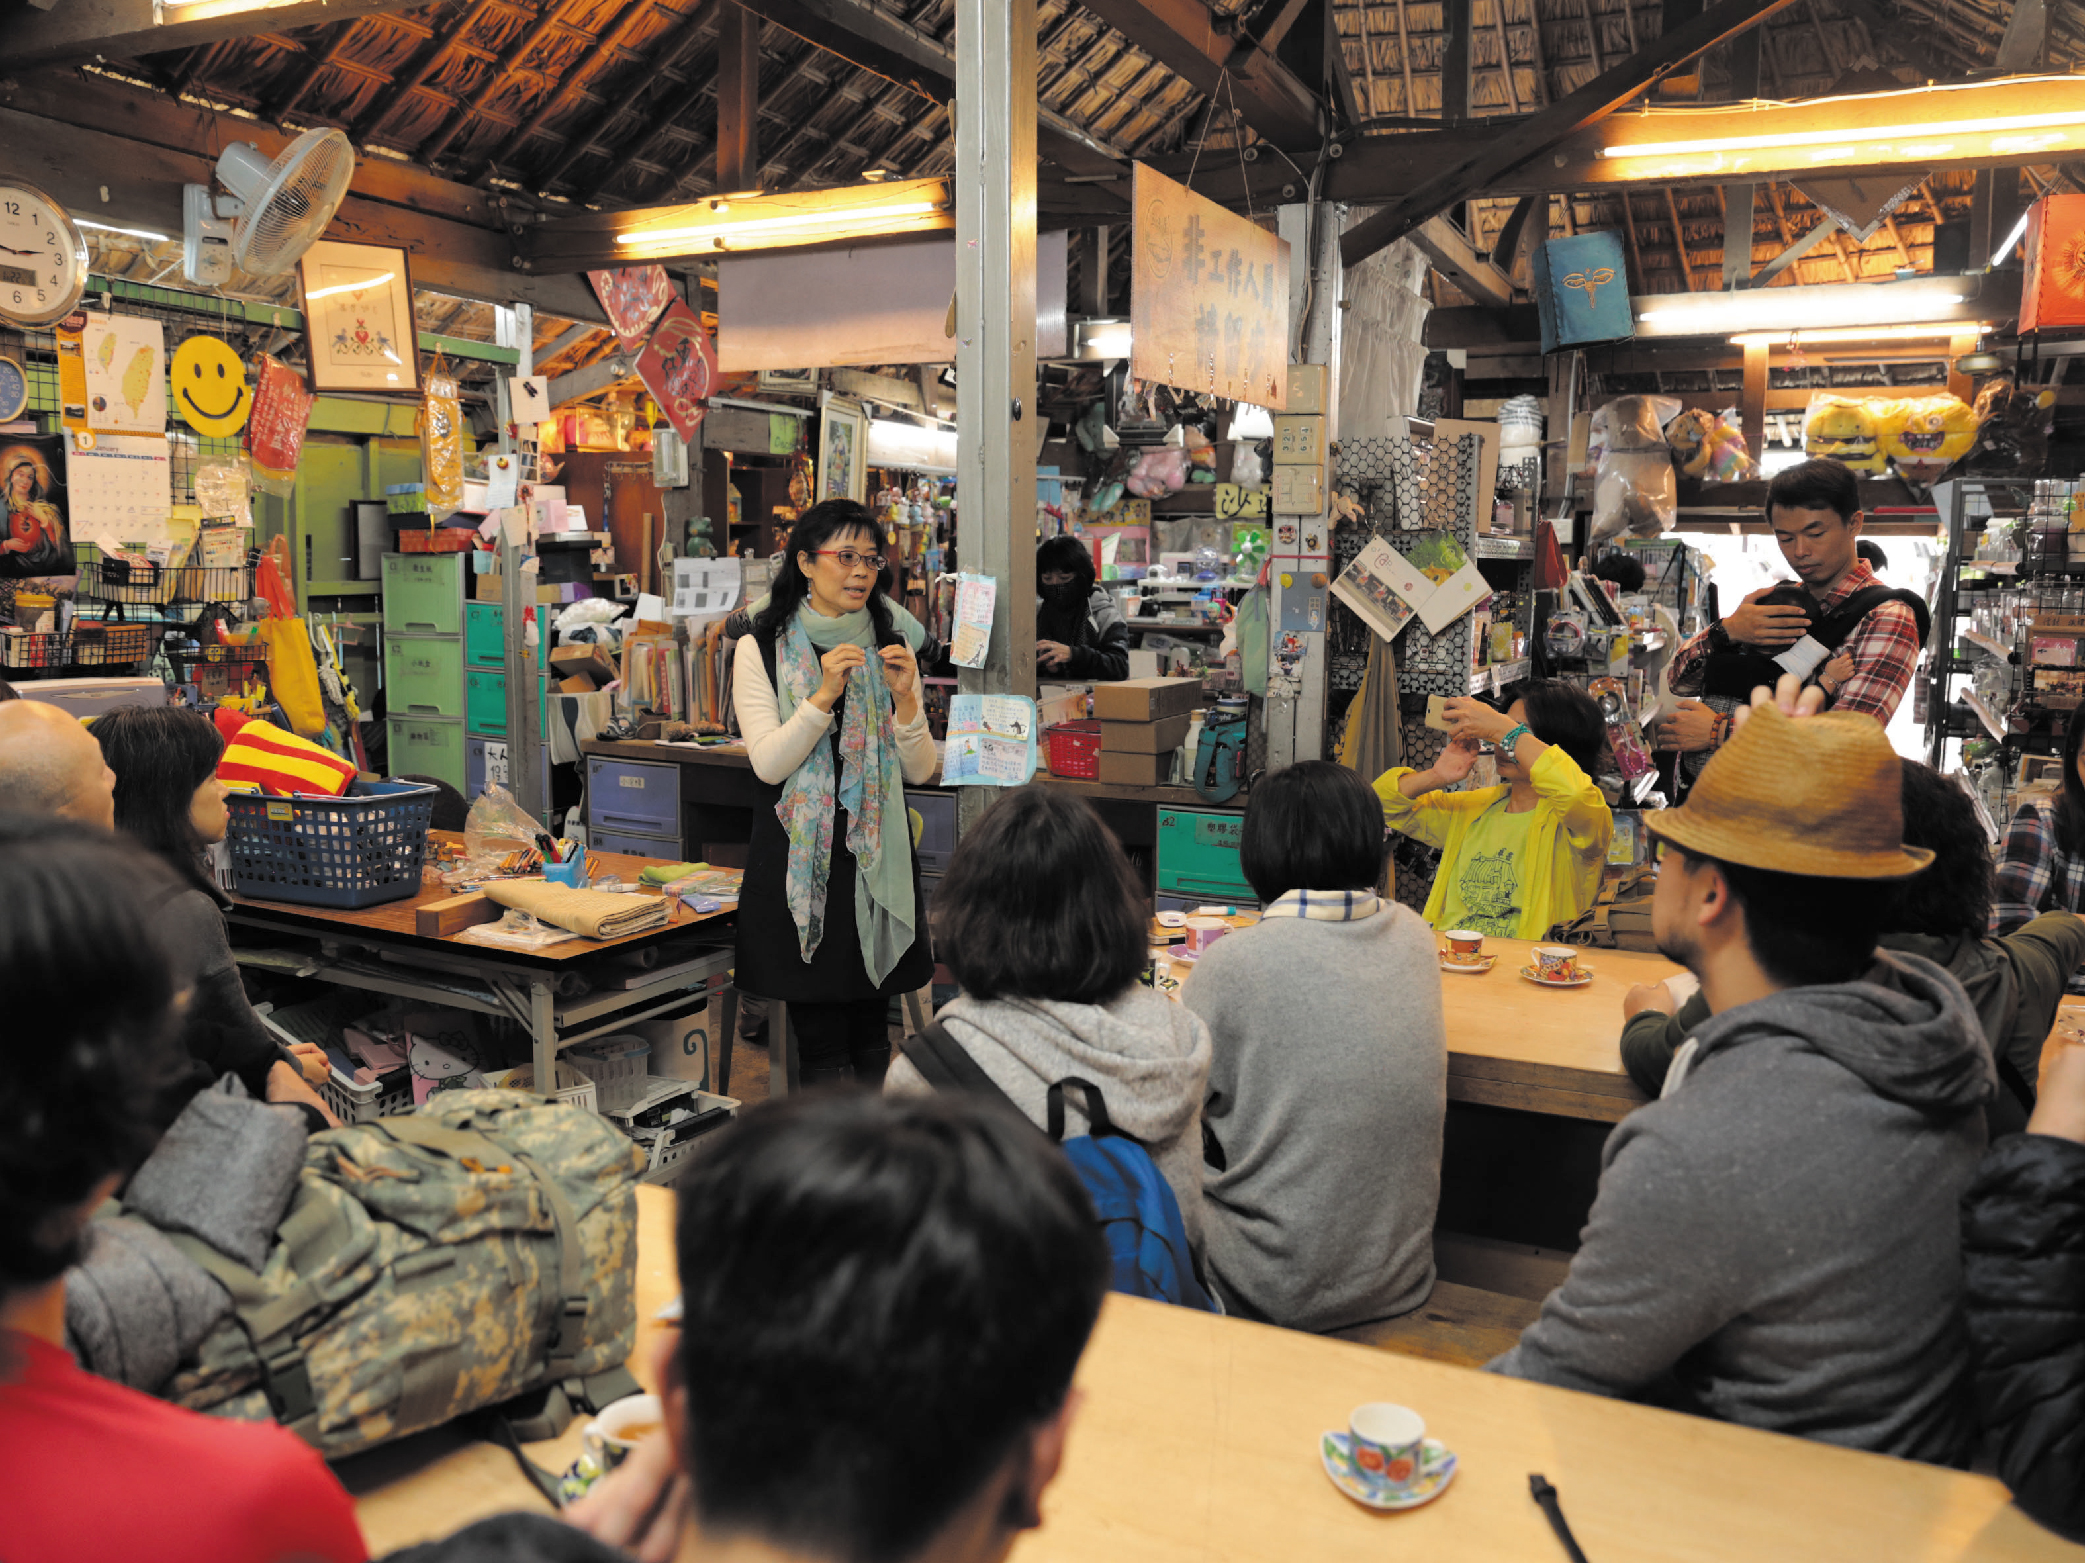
(1080, 633)
(1041, 921)
(169, 800)
(86, 1048)
(2014, 984)
(50, 764)
(884, 1302)
(2041, 867)
(1870, 553)
(1521, 857)
(1775, 1241)
(1327, 1071)
(2023, 1261)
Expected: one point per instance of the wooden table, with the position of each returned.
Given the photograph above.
(1545, 1050)
(378, 948)
(1196, 1441)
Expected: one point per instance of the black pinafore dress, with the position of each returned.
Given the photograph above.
(770, 962)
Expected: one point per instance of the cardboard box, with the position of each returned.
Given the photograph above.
(588, 661)
(1146, 699)
(491, 588)
(1299, 491)
(577, 684)
(1136, 770)
(1160, 737)
(1306, 389)
(1299, 442)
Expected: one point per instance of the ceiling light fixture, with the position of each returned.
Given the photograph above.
(1788, 140)
(2019, 228)
(749, 221)
(1817, 306)
(135, 233)
(1810, 335)
(745, 225)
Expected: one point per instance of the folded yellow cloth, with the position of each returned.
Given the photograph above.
(596, 914)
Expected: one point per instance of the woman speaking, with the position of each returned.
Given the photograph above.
(827, 692)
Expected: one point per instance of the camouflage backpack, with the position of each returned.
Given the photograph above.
(430, 1265)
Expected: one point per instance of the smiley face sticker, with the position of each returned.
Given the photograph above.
(209, 385)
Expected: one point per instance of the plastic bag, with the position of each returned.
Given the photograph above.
(441, 446)
(223, 487)
(496, 826)
(1634, 491)
(275, 432)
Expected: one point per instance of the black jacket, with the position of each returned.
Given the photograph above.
(222, 1033)
(1098, 636)
(2023, 1263)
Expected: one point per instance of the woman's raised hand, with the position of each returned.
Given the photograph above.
(836, 665)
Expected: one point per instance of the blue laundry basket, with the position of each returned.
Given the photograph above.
(350, 852)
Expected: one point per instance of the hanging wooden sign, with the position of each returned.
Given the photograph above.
(679, 367)
(1209, 296)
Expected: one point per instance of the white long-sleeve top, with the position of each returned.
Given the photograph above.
(777, 748)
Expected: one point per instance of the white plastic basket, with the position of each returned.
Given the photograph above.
(352, 1101)
(620, 1068)
(573, 1087)
(673, 1145)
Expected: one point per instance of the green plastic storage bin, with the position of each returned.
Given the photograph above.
(485, 703)
(423, 675)
(423, 593)
(1198, 854)
(426, 747)
(485, 637)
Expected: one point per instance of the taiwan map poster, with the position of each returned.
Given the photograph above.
(126, 361)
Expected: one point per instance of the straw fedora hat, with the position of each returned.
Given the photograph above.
(1815, 795)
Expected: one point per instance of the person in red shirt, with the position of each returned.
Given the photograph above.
(95, 1471)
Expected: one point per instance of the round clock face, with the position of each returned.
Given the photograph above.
(43, 259)
(14, 390)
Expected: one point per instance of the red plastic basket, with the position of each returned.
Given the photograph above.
(1075, 750)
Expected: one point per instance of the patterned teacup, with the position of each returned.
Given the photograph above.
(1387, 1447)
(1465, 947)
(1556, 963)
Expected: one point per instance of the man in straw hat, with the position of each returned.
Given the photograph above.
(1774, 1241)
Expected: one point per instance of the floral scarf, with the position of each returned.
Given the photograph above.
(869, 785)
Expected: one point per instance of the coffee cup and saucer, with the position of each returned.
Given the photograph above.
(1557, 966)
(1384, 1459)
(1465, 953)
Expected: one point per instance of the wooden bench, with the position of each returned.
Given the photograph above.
(1462, 1325)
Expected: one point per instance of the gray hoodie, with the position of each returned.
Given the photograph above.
(1775, 1241)
(1148, 1055)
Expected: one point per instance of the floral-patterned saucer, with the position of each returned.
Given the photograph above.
(1336, 1451)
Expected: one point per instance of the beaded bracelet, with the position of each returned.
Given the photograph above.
(1514, 734)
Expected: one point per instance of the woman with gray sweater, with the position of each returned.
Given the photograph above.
(1041, 921)
(1328, 1075)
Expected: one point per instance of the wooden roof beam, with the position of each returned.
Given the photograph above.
(417, 73)
(568, 81)
(1541, 132)
(1187, 38)
(1455, 257)
(546, 21)
(668, 58)
(121, 29)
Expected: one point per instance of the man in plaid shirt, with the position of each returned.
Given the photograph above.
(1814, 509)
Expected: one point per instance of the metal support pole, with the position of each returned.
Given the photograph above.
(515, 327)
(1296, 718)
(995, 336)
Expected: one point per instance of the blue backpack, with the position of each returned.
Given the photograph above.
(1148, 1253)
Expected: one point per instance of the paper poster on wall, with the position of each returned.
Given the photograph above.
(991, 741)
(123, 487)
(704, 589)
(975, 596)
(126, 360)
(39, 536)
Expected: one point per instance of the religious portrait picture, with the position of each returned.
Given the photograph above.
(38, 540)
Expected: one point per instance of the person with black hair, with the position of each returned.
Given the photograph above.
(169, 800)
(1621, 567)
(1774, 1241)
(1521, 857)
(1328, 1070)
(2041, 867)
(827, 692)
(1080, 633)
(883, 1303)
(87, 1059)
(2014, 983)
(1872, 555)
(1042, 922)
(1858, 637)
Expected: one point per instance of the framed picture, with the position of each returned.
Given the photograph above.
(843, 435)
(798, 382)
(358, 319)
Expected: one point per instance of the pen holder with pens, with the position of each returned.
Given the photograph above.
(571, 872)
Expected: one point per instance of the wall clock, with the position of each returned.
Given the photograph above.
(14, 390)
(43, 259)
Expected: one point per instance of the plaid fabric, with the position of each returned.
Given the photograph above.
(1884, 648)
(2035, 874)
(1326, 906)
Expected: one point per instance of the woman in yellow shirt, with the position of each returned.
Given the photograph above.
(1519, 858)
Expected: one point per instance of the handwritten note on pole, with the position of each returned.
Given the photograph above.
(1209, 296)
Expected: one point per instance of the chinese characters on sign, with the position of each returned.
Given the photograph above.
(1209, 302)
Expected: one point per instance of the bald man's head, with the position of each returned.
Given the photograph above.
(50, 764)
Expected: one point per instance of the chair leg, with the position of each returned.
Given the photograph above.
(781, 1050)
(727, 1034)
